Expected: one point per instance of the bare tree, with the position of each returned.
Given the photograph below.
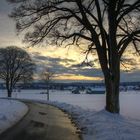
(105, 26)
(47, 77)
(15, 66)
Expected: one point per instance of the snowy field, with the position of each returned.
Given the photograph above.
(10, 113)
(129, 101)
(88, 112)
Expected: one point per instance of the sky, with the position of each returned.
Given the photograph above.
(64, 62)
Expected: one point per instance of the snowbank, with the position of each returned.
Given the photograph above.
(10, 112)
(102, 125)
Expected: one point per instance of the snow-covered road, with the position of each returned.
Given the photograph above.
(43, 122)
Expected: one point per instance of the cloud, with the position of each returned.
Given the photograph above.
(47, 58)
(59, 66)
(5, 8)
(130, 76)
(55, 64)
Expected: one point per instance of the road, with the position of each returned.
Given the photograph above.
(43, 122)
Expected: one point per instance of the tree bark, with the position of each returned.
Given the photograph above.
(112, 83)
(112, 80)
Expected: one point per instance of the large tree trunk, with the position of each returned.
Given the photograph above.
(112, 83)
(112, 80)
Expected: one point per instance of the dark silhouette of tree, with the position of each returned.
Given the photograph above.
(15, 66)
(47, 76)
(105, 26)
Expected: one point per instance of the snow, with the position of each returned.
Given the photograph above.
(102, 125)
(10, 113)
(89, 114)
(129, 101)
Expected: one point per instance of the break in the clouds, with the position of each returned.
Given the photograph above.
(63, 69)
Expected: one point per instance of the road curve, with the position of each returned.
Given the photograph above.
(43, 122)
